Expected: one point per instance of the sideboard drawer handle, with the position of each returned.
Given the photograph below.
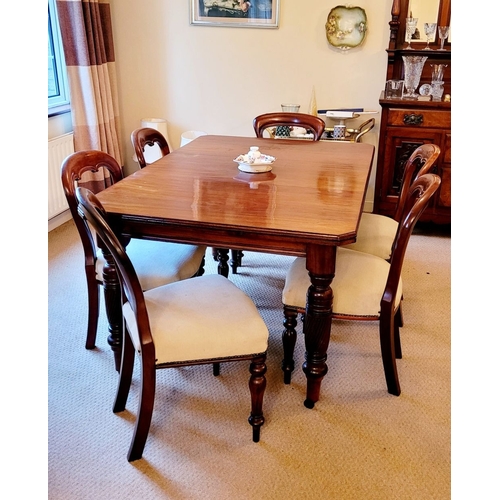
(413, 119)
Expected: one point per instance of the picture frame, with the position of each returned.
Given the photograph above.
(235, 13)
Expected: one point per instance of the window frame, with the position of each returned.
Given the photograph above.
(59, 103)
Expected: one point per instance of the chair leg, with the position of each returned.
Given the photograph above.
(289, 338)
(126, 370)
(145, 411)
(214, 254)
(93, 293)
(386, 326)
(398, 323)
(257, 386)
(401, 319)
(235, 260)
(216, 369)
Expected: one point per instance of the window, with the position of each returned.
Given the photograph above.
(57, 84)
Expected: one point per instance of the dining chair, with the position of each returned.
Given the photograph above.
(157, 262)
(376, 233)
(142, 137)
(313, 124)
(179, 324)
(365, 287)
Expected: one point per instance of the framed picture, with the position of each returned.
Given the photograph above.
(236, 13)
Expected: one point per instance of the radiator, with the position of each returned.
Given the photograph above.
(59, 148)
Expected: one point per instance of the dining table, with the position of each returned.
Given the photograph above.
(307, 205)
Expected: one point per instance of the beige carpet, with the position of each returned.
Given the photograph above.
(359, 442)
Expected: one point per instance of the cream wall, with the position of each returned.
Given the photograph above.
(217, 79)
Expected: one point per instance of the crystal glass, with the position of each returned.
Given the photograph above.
(430, 31)
(437, 89)
(413, 71)
(437, 72)
(411, 26)
(443, 35)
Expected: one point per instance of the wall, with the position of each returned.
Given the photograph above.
(217, 79)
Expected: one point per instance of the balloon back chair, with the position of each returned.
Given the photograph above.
(312, 124)
(365, 287)
(150, 137)
(179, 324)
(157, 263)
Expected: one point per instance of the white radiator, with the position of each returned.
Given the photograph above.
(59, 148)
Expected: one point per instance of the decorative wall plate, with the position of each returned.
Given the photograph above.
(346, 27)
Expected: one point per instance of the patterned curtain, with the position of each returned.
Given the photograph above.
(90, 59)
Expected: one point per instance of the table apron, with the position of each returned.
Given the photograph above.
(277, 242)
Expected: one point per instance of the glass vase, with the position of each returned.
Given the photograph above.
(413, 66)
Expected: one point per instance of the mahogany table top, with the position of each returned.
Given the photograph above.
(314, 194)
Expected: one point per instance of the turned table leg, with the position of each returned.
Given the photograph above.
(318, 318)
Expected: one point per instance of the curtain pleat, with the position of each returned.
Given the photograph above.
(87, 38)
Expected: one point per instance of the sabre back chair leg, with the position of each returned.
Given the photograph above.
(145, 411)
(398, 323)
(125, 377)
(93, 293)
(387, 348)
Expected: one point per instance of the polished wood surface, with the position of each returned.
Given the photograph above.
(313, 194)
(405, 126)
(309, 203)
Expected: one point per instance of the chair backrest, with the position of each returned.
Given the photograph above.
(419, 163)
(312, 123)
(72, 171)
(143, 137)
(419, 196)
(92, 212)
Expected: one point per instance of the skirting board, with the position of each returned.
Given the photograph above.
(59, 219)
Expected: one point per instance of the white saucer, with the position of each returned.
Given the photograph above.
(254, 169)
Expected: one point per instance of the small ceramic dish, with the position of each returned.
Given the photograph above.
(262, 164)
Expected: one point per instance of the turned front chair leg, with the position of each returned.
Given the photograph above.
(289, 338)
(223, 258)
(257, 386)
(113, 301)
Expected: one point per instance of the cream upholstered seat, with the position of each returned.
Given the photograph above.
(365, 287)
(376, 232)
(179, 324)
(359, 283)
(157, 263)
